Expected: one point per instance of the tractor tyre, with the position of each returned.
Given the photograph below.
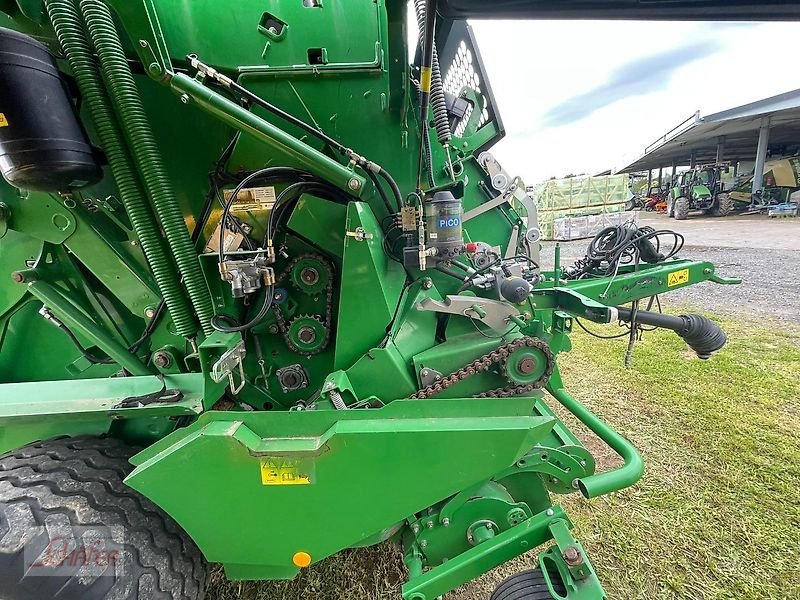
(71, 529)
(723, 206)
(681, 209)
(529, 585)
(671, 207)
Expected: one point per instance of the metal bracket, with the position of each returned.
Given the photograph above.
(359, 234)
(429, 376)
(228, 363)
(493, 313)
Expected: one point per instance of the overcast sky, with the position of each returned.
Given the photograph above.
(581, 96)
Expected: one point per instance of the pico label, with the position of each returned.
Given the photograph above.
(678, 278)
(449, 222)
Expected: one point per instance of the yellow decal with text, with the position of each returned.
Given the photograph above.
(3, 120)
(281, 471)
(678, 278)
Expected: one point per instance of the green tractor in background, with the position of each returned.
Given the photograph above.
(701, 188)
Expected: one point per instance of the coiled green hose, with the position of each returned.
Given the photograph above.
(133, 120)
(68, 27)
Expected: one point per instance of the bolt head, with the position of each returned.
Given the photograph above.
(446, 522)
(185, 98)
(150, 313)
(572, 556)
(143, 43)
(415, 528)
(549, 512)
(427, 284)
(18, 277)
(430, 524)
(354, 184)
(161, 360)
(423, 543)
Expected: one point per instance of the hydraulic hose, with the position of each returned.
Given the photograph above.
(133, 119)
(701, 333)
(71, 36)
(438, 103)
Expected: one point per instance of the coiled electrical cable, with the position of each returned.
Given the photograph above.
(438, 104)
(625, 244)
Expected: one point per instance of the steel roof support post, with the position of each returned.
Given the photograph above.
(761, 155)
(693, 159)
(649, 180)
(660, 175)
(720, 148)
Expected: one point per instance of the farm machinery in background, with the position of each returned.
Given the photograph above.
(268, 295)
(700, 189)
(778, 196)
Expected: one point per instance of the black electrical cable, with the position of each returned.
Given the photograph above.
(269, 172)
(622, 245)
(228, 324)
(95, 360)
(597, 335)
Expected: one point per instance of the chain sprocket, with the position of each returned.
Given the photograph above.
(483, 363)
(328, 318)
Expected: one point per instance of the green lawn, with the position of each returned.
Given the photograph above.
(717, 514)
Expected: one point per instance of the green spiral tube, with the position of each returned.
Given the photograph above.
(68, 27)
(133, 120)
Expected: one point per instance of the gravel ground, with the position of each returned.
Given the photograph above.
(763, 252)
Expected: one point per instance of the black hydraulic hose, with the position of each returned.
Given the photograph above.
(438, 103)
(701, 333)
(310, 129)
(227, 324)
(381, 192)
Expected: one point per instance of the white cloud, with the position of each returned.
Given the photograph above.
(534, 66)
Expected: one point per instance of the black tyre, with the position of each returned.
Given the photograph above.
(723, 205)
(529, 585)
(71, 529)
(681, 208)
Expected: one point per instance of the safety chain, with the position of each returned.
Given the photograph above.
(281, 322)
(498, 355)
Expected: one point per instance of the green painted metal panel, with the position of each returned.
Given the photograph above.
(371, 286)
(361, 478)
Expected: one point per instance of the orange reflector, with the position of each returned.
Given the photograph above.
(301, 559)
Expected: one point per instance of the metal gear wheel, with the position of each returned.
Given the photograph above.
(308, 334)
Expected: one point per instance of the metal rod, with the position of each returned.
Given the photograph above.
(610, 481)
(277, 139)
(76, 320)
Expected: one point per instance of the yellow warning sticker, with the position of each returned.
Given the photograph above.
(284, 471)
(678, 278)
(3, 120)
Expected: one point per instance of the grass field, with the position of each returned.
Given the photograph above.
(717, 514)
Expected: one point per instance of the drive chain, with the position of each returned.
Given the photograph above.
(483, 363)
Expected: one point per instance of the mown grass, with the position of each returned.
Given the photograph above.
(717, 514)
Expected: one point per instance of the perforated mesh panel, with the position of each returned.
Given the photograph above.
(462, 68)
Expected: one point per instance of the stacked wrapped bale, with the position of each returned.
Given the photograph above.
(579, 207)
